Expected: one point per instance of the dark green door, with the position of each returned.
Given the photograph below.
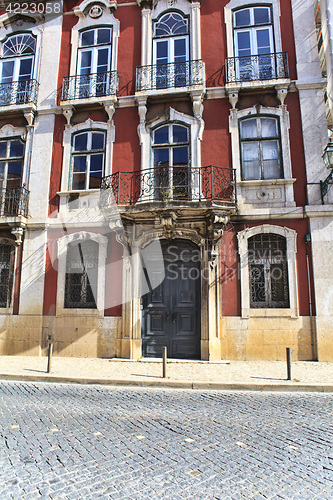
(171, 312)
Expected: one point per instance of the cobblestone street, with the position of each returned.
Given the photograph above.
(68, 441)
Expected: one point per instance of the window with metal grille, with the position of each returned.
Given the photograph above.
(81, 275)
(268, 271)
(260, 148)
(7, 252)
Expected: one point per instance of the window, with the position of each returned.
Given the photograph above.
(81, 275)
(7, 253)
(254, 47)
(171, 50)
(94, 62)
(88, 158)
(17, 65)
(171, 162)
(260, 148)
(268, 271)
(268, 275)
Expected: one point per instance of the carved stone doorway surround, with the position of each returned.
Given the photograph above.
(129, 341)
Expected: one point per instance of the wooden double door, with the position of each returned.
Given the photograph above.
(171, 312)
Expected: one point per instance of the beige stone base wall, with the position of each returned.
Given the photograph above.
(77, 336)
(266, 338)
(325, 338)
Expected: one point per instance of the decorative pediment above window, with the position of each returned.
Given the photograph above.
(16, 21)
(95, 10)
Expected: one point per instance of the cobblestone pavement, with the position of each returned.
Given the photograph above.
(78, 442)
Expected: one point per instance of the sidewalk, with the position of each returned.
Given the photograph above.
(241, 375)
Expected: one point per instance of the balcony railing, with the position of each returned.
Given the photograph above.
(93, 85)
(256, 68)
(172, 75)
(14, 202)
(22, 92)
(170, 185)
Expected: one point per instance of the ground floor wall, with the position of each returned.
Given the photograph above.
(267, 338)
(88, 336)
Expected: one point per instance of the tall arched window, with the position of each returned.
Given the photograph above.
(81, 275)
(254, 45)
(7, 255)
(170, 145)
(260, 148)
(94, 62)
(88, 159)
(268, 271)
(17, 65)
(171, 50)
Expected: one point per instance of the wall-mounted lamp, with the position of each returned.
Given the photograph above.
(328, 155)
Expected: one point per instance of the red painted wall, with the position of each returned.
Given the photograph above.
(216, 143)
(126, 149)
(129, 47)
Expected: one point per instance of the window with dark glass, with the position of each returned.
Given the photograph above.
(17, 65)
(81, 275)
(254, 46)
(7, 252)
(171, 162)
(260, 148)
(268, 271)
(94, 62)
(171, 50)
(88, 157)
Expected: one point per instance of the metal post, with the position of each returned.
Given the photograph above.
(49, 355)
(164, 356)
(288, 353)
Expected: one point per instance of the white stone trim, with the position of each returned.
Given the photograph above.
(287, 192)
(85, 22)
(88, 125)
(236, 4)
(62, 255)
(290, 236)
(192, 10)
(8, 132)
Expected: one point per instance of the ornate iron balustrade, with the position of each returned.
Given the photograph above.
(93, 85)
(171, 75)
(22, 92)
(325, 186)
(255, 68)
(14, 202)
(169, 185)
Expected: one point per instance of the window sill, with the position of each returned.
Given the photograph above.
(78, 191)
(266, 182)
(80, 312)
(270, 312)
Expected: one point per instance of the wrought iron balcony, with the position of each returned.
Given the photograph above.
(22, 92)
(172, 75)
(256, 68)
(170, 185)
(14, 202)
(93, 85)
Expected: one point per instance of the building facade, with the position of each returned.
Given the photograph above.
(163, 181)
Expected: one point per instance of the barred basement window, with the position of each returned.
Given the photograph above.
(7, 252)
(268, 271)
(81, 275)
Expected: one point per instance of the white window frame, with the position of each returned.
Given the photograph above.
(237, 5)
(7, 133)
(70, 131)
(268, 185)
(194, 144)
(184, 7)
(10, 242)
(85, 22)
(61, 282)
(291, 250)
(88, 155)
